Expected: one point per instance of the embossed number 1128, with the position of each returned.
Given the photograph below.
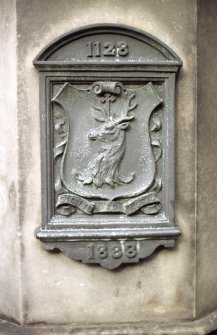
(97, 49)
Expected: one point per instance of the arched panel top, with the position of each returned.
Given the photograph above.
(107, 44)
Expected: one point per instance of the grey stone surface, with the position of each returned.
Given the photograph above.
(9, 196)
(178, 284)
(70, 292)
(207, 159)
(198, 327)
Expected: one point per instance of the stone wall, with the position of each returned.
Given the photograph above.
(39, 287)
(10, 247)
(206, 274)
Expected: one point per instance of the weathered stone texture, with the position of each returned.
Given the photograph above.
(173, 285)
(9, 197)
(69, 292)
(207, 159)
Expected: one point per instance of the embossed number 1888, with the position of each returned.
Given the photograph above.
(129, 249)
(98, 49)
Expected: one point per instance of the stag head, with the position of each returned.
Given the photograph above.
(112, 125)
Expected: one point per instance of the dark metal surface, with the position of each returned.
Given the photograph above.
(107, 145)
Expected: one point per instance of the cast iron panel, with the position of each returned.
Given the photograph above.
(107, 145)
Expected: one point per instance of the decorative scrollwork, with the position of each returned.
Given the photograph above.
(61, 128)
(156, 144)
(156, 123)
(101, 87)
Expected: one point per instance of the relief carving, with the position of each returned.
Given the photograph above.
(99, 185)
(107, 143)
(105, 167)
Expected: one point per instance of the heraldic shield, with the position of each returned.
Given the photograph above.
(107, 154)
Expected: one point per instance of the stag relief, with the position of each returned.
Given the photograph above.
(111, 133)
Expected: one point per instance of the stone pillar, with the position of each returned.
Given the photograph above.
(10, 243)
(206, 232)
(164, 294)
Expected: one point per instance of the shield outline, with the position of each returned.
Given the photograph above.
(92, 194)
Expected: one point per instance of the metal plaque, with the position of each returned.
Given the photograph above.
(107, 144)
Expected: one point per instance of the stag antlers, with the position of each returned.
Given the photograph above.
(125, 115)
(103, 113)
